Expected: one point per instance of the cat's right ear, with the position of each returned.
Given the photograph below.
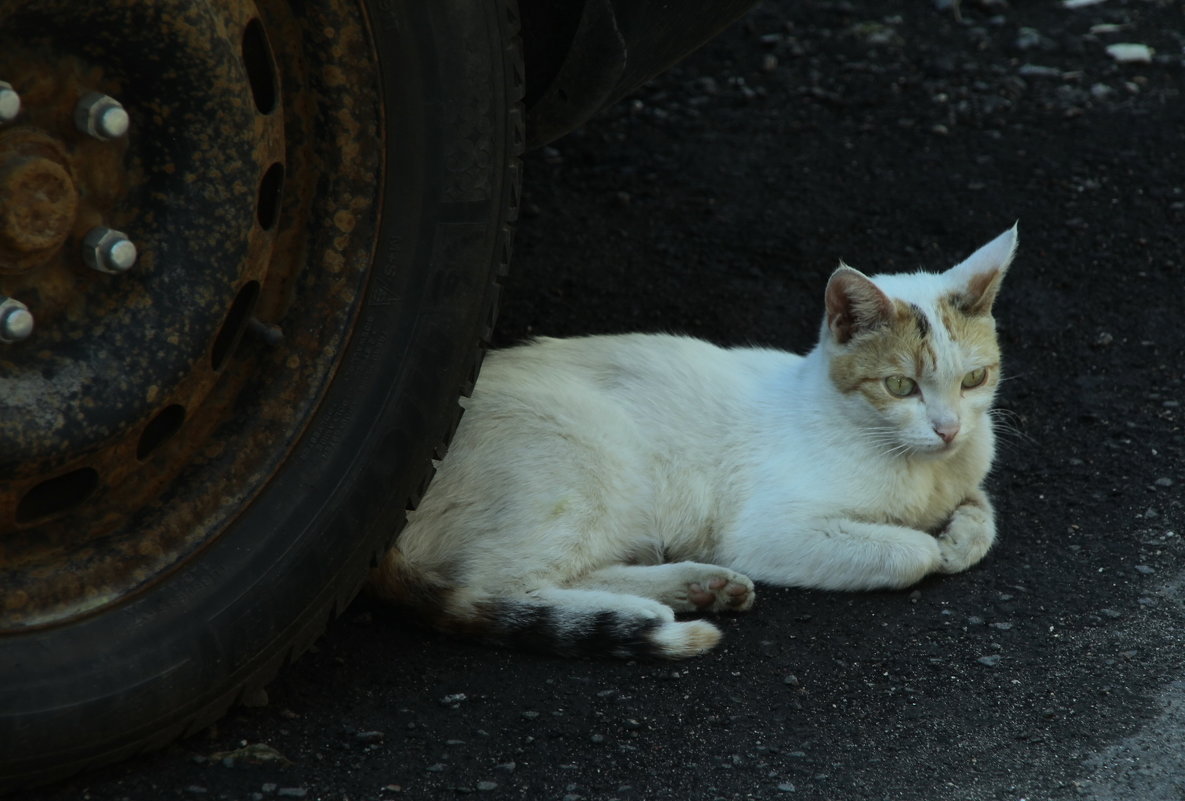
(854, 304)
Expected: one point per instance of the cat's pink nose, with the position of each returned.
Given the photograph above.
(947, 431)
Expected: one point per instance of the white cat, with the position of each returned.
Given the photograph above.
(598, 486)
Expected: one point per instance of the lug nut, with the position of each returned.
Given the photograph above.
(10, 103)
(101, 116)
(16, 322)
(108, 251)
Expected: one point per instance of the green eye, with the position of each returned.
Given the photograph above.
(900, 386)
(975, 378)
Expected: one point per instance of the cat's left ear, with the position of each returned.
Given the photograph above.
(975, 281)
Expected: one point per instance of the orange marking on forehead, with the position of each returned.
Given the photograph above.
(975, 333)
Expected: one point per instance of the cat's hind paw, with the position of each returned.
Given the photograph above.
(726, 591)
(682, 586)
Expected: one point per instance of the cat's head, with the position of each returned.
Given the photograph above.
(915, 355)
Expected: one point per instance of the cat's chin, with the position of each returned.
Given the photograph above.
(934, 451)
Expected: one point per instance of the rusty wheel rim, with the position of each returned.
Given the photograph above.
(151, 401)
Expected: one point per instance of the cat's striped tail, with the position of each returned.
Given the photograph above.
(568, 622)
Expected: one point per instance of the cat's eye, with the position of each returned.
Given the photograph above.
(975, 378)
(900, 386)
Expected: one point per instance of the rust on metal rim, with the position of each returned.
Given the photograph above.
(38, 200)
(142, 414)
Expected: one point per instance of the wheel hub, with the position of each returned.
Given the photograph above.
(155, 184)
(38, 199)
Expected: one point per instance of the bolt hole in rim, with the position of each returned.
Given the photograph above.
(270, 192)
(57, 495)
(183, 418)
(261, 71)
(235, 324)
(166, 423)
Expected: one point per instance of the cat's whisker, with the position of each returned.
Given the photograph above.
(1003, 424)
(874, 437)
(1009, 436)
(885, 441)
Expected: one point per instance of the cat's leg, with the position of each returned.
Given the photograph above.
(834, 554)
(969, 534)
(683, 586)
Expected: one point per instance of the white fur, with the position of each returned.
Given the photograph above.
(576, 456)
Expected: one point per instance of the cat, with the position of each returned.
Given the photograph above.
(597, 487)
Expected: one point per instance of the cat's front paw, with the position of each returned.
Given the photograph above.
(723, 591)
(966, 538)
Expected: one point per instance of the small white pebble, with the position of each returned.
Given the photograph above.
(1130, 52)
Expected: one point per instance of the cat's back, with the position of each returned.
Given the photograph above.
(660, 372)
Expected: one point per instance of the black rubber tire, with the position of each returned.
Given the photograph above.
(174, 658)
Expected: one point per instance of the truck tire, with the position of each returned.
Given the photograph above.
(203, 453)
